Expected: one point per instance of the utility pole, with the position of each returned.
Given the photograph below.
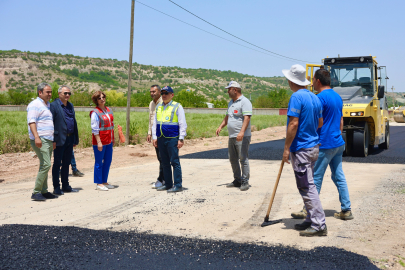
(131, 46)
(392, 88)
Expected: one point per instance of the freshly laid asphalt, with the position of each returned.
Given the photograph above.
(51, 247)
(273, 150)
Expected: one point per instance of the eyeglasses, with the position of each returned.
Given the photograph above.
(165, 93)
(101, 98)
(67, 93)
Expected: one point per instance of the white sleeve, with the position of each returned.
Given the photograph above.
(154, 128)
(182, 122)
(95, 124)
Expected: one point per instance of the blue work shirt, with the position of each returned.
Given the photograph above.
(69, 117)
(332, 106)
(307, 107)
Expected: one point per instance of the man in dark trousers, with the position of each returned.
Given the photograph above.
(66, 136)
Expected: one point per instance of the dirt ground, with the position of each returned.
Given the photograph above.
(207, 209)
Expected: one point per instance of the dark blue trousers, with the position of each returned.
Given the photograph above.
(161, 177)
(62, 156)
(169, 155)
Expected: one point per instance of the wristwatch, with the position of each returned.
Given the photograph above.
(181, 140)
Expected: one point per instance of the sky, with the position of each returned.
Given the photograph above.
(303, 30)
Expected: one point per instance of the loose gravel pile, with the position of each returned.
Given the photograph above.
(50, 247)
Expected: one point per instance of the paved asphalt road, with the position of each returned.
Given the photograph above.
(273, 150)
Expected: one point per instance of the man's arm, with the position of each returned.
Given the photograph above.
(222, 125)
(151, 117)
(341, 125)
(291, 132)
(154, 137)
(182, 126)
(246, 120)
(33, 127)
(320, 122)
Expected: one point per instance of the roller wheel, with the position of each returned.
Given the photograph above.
(348, 138)
(361, 140)
(386, 144)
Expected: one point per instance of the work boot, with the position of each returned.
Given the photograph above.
(302, 226)
(244, 186)
(345, 215)
(234, 184)
(301, 214)
(309, 232)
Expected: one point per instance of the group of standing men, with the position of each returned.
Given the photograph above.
(52, 127)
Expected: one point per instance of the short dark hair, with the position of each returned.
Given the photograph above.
(323, 76)
(156, 85)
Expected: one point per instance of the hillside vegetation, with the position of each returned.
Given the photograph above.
(21, 72)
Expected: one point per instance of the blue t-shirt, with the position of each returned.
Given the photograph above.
(307, 107)
(332, 106)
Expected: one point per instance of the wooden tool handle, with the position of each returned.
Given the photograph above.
(275, 189)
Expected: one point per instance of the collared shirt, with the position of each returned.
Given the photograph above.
(180, 116)
(152, 112)
(307, 108)
(237, 110)
(69, 117)
(39, 113)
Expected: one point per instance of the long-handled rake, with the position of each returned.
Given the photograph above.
(266, 219)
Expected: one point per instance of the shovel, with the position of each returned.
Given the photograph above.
(268, 222)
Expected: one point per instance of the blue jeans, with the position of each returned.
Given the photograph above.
(73, 162)
(62, 155)
(333, 158)
(169, 155)
(103, 162)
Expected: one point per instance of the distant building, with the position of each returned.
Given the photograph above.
(210, 105)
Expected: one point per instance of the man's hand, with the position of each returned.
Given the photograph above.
(218, 131)
(100, 146)
(149, 138)
(155, 143)
(54, 145)
(38, 142)
(239, 138)
(180, 144)
(286, 155)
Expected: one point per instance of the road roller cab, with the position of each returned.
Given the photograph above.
(361, 84)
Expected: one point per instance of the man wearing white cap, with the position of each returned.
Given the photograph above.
(302, 145)
(238, 120)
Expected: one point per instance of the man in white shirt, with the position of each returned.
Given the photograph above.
(168, 132)
(156, 99)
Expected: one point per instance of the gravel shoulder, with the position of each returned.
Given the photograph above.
(207, 209)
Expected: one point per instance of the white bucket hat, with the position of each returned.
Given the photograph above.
(233, 84)
(297, 75)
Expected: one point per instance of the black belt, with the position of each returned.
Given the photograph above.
(69, 134)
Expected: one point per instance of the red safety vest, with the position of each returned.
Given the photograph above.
(106, 126)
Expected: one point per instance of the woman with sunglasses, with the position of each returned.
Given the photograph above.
(102, 126)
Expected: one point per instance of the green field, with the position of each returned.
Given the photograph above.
(14, 129)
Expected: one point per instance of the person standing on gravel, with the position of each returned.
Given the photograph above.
(332, 143)
(66, 137)
(40, 129)
(237, 119)
(156, 99)
(302, 145)
(168, 132)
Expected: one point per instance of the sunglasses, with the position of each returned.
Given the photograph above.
(165, 93)
(67, 93)
(101, 98)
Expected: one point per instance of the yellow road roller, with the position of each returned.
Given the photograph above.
(399, 115)
(361, 84)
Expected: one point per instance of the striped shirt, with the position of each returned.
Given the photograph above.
(40, 114)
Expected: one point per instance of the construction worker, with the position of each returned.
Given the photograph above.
(332, 144)
(156, 99)
(238, 121)
(302, 145)
(168, 132)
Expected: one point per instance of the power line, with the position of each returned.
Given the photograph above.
(236, 36)
(209, 32)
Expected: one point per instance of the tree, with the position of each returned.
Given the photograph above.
(55, 88)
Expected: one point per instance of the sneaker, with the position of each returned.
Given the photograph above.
(101, 188)
(245, 186)
(38, 197)
(301, 214)
(78, 173)
(162, 188)
(109, 186)
(234, 184)
(158, 184)
(345, 215)
(302, 226)
(175, 189)
(49, 195)
(309, 232)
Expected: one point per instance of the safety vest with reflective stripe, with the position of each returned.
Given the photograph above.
(106, 126)
(167, 122)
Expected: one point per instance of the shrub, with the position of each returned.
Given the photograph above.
(14, 72)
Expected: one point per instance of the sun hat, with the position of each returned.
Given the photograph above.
(296, 74)
(168, 89)
(233, 84)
